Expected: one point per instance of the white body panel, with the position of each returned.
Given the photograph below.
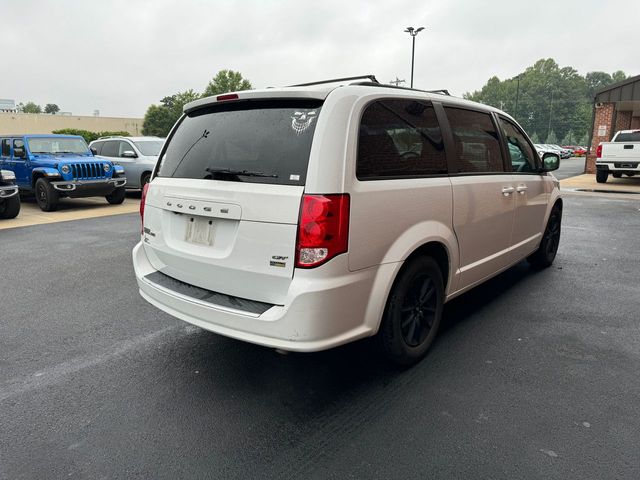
(485, 223)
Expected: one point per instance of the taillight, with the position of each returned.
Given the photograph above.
(143, 199)
(323, 229)
(599, 151)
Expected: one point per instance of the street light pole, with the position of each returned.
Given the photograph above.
(413, 32)
(550, 112)
(515, 114)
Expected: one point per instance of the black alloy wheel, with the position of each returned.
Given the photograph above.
(413, 312)
(546, 253)
(418, 311)
(46, 195)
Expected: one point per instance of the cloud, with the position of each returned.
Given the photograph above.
(120, 56)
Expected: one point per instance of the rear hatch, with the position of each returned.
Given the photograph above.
(222, 212)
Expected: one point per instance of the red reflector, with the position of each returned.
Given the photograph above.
(230, 96)
(599, 151)
(143, 199)
(323, 229)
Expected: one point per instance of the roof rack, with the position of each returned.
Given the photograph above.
(372, 79)
(442, 91)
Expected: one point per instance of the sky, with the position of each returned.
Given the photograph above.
(121, 56)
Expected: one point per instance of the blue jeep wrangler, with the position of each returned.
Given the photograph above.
(54, 166)
(9, 198)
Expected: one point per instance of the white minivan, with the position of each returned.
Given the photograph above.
(306, 217)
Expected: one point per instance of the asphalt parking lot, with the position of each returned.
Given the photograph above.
(534, 375)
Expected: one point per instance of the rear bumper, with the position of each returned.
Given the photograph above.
(619, 167)
(8, 191)
(322, 310)
(88, 188)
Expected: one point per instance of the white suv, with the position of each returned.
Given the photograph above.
(306, 217)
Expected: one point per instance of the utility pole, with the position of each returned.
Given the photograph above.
(396, 82)
(413, 32)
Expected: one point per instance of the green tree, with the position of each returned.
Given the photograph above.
(618, 76)
(552, 139)
(159, 119)
(535, 138)
(226, 81)
(584, 140)
(549, 97)
(31, 107)
(569, 139)
(51, 108)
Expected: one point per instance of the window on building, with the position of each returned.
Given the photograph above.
(475, 140)
(399, 138)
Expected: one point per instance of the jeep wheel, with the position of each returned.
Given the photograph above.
(117, 196)
(601, 176)
(546, 253)
(413, 312)
(10, 207)
(46, 195)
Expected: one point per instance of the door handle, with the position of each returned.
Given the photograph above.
(506, 191)
(521, 189)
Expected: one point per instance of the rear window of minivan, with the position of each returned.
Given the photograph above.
(246, 141)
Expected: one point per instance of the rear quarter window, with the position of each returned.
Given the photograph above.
(628, 137)
(399, 138)
(270, 140)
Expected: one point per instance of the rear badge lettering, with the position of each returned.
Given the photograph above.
(278, 261)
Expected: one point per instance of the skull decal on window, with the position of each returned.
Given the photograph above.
(300, 121)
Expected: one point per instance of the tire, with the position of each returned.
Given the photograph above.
(546, 253)
(117, 196)
(144, 179)
(46, 196)
(601, 176)
(617, 175)
(413, 312)
(10, 207)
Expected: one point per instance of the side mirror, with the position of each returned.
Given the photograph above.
(19, 152)
(94, 152)
(550, 162)
(129, 154)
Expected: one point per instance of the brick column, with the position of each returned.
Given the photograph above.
(635, 123)
(623, 121)
(604, 119)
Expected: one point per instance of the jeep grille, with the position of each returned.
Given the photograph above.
(89, 170)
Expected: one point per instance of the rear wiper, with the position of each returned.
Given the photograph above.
(244, 173)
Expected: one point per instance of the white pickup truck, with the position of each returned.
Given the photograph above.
(619, 156)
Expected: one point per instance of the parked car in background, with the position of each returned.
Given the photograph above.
(564, 152)
(620, 156)
(55, 166)
(9, 198)
(577, 151)
(307, 217)
(137, 155)
(541, 149)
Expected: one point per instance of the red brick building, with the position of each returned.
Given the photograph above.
(616, 107)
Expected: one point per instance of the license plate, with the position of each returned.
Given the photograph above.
(200, 230)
